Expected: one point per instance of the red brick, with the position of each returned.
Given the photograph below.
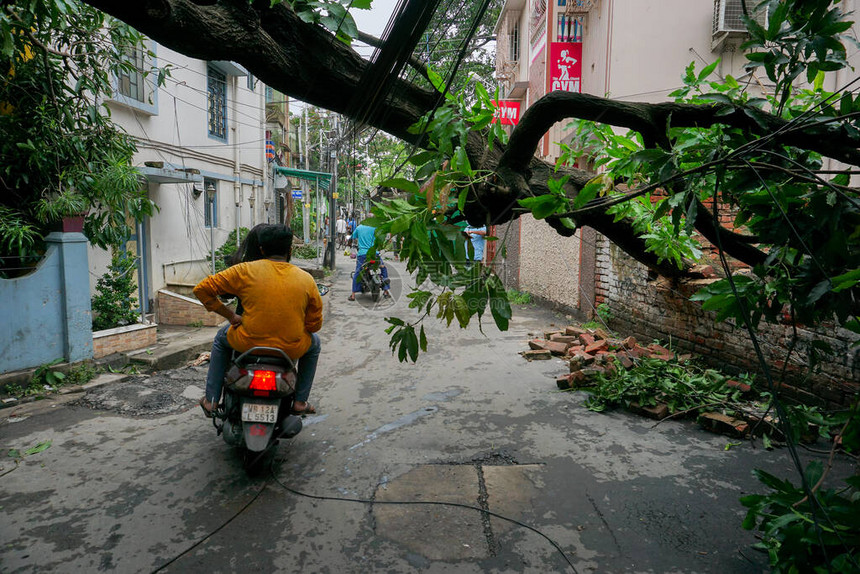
(658, 412)
(629, 342)
(569, 339)
(586, 339)
(574, 331)
(593, 348)
(537, 355)
(744, 388)
(537, 344)
(563, 382)
(555, 348)
(625, 360)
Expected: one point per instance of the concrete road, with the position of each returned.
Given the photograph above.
(135, 479)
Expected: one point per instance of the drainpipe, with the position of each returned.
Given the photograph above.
(237, 185)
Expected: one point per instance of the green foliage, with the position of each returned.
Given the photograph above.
(47, 378)
(306, 251)
(519, 297)
(333, 15)
(807, 534)
(62, 154)
(681, 386)
(228, 248)
(115, 302)
(47, 375)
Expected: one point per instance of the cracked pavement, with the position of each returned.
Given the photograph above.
(135, 479)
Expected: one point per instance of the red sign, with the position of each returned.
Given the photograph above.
(565, 66)
(507, 112)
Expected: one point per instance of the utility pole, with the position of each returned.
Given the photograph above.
(306, 199)
(332, 204)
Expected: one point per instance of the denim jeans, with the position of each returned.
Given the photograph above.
(356, 280)
(220, 357)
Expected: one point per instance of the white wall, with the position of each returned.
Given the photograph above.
(178, 240)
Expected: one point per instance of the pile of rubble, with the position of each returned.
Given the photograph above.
(590, 352)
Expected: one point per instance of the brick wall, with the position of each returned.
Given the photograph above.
(176, 309)
(123, 339)
(658, 310)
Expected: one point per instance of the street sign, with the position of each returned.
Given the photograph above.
(297, 194)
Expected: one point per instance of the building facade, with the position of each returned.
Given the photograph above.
(201, 139)
(636, 50)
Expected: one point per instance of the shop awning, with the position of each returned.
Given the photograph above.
(320, 179)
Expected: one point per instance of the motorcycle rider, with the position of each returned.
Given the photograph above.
(282, 309)
(366, 236)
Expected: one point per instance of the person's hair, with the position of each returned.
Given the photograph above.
(249, 249)
(276, 240)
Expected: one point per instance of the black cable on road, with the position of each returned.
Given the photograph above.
(214, 532)
(430, 503)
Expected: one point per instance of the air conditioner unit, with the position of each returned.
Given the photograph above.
(728, 19)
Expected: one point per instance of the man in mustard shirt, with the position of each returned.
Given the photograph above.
(282, 308)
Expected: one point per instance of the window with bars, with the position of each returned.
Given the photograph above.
(217, 88)
(130, 79)
(514, 42)
(569, 28)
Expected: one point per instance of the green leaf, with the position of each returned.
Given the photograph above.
(44, 445)
(461, 200)
(436, 80)
(401, 183)
(423, 340)
(706, 71)
(715, 97)
(846, 280)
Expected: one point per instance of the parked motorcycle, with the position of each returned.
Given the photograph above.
(259, 389)
(370, 279)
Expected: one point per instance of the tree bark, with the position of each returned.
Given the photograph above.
(308, 63)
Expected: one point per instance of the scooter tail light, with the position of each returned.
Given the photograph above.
(263, 383)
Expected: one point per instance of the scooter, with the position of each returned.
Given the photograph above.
(370, 279)
(259, 389)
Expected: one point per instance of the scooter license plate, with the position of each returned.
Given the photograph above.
(259, 413)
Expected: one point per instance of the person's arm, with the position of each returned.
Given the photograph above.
(208, 290)
(313, 313)
(480, 231)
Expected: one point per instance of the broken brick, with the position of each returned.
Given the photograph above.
(724, 424)
(549, 334)
(593, 348)
(569, 339)
(563, 382)
(586, 339)
(537, 344)
(743, 387)
(629, 342)
(575, 348)
(537, 355)
(657, 412)
(625, 360)
(601, 334)
(591, 372)
(579, 360)
(556, 348)
(574, 331)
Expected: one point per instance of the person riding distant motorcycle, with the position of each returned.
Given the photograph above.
(282, 309)
(365, 236)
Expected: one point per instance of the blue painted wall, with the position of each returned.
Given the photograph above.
(46, 315)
